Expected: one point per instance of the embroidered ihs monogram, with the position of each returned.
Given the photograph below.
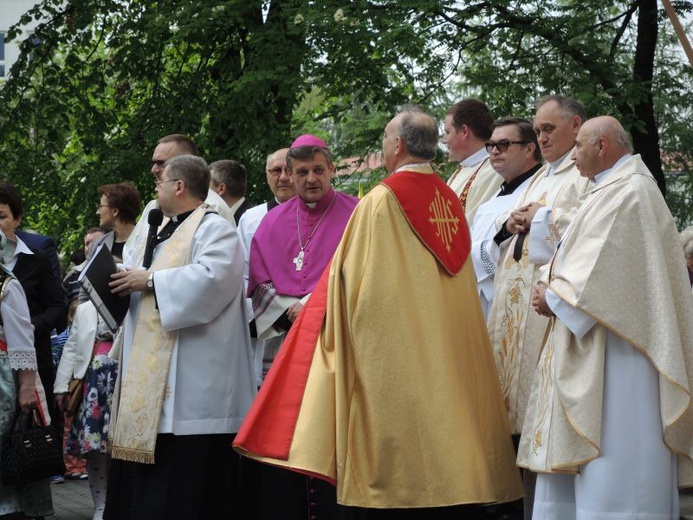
(447, 224)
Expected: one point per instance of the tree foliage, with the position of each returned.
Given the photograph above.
(103, 80)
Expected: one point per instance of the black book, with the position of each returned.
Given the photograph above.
(94, 279)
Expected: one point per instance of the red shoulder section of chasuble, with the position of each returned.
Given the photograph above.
(268, 428)
(435, 215)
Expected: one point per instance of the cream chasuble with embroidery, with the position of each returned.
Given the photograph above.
(516, 330)
(634, 285)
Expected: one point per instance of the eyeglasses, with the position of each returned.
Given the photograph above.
(158, 163)
(277, 171)
(159, 183)
(102, 206)
(502, 145)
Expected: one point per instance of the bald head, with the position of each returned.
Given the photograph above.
(600, 143)
(410, 137)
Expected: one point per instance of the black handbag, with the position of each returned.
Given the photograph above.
(31, 451)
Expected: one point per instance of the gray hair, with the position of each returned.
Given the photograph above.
(569, 106)
(419, 132)
(193, 171)
(615, 132)
(232, 173)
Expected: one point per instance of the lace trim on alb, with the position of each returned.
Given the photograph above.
(22, 360)
(488, 264)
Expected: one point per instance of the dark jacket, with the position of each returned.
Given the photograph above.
(46, 301)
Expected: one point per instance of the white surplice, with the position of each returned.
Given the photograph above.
(211, 382)
(485, 252)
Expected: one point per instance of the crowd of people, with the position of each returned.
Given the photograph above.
(498, 347)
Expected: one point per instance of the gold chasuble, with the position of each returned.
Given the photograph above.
(621, 263)
(386, 385)
(516, 330)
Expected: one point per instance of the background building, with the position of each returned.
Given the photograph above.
(10, 13)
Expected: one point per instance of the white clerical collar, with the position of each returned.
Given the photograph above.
(236, 205)
(475, 158)
(553, 166)
(600, 176)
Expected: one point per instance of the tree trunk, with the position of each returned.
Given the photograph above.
(646, 134)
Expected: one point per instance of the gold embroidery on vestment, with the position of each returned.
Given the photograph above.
(447, 224)
(546, 385)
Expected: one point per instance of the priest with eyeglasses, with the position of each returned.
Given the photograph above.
(515, 156)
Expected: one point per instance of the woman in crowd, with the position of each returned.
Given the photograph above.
(86, 350)
(119, 206)
(18, 387)
(47, 305)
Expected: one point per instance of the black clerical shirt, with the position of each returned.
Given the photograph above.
(170, 227)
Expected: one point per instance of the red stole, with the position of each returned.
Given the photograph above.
(435, 215)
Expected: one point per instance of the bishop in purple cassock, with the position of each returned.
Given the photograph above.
(297, 239)
(290, 250)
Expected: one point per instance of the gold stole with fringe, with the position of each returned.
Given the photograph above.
(143, 387)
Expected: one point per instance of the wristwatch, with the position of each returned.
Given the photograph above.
(150, 281)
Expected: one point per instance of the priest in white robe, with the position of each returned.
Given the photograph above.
(516, 330)
(468, 125)
(515, 166)
(186, 377)
(609, 422)
(279, 181)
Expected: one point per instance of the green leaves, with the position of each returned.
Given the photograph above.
(86, 105)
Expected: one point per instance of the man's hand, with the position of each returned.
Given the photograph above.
(521, 220)
(528, 211)
(539, 300)
(293, 310)
(128, 281)
(516, 223)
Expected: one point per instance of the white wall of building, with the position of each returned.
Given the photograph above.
(10, 13)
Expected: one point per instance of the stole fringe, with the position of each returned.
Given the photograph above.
(131, 455)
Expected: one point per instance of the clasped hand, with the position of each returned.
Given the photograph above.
(520, 220)
(539, 300)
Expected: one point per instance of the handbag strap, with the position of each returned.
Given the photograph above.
(26, 420)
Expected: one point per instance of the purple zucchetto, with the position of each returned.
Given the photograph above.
(309, 140)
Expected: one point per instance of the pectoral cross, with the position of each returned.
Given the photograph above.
(298, 261)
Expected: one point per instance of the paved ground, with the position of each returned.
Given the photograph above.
(72, 501)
